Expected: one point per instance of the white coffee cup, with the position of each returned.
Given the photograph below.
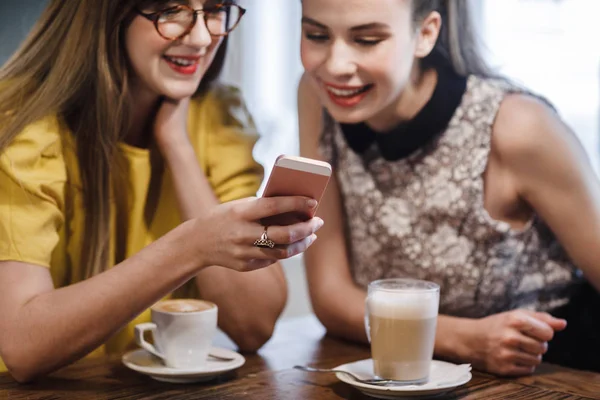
(182, 329)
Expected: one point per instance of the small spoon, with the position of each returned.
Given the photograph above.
(372, 381)
(219, 358)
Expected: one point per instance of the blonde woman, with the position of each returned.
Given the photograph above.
(444, 173)
(117, 147)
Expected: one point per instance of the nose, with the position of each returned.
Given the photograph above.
(340, 61)
(199, 35)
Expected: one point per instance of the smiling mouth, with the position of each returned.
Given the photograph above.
(348, 97)
(182, 62)
(348, 93)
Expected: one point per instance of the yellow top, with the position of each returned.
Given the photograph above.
(41, 211)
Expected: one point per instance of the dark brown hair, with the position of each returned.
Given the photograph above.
(458, 44)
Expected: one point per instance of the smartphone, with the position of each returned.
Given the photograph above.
(296, 176)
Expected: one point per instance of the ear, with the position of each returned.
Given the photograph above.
(427, 34)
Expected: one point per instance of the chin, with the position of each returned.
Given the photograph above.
(179, 92)
(349, 116)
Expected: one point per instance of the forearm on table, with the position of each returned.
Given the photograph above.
(252, 302)
(56, 328)
(451, 341)
(342, 311)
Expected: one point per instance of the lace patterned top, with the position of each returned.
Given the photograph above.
(423, 217)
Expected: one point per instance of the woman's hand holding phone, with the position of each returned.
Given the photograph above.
(226, 235)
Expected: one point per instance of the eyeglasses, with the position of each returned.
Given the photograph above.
(175, 22)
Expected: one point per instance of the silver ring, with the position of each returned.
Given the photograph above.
(264, 242)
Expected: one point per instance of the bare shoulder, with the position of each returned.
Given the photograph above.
(535, 147)
(526, 128)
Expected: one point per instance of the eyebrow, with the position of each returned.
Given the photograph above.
(310, 21)
(372, 25)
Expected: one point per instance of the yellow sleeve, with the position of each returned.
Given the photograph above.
(32, 181)
(231, 168)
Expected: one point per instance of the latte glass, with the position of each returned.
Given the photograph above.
(401, 319)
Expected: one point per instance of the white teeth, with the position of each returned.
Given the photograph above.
(181, 61)
(344, 93)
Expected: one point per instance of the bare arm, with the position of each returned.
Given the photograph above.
(42, 329)
(552, 173)
(240, 297)
(337, 301)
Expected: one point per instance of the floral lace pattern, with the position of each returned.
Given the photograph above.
(423, 217)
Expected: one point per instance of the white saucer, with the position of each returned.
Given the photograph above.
(443, 377)
(142, 361)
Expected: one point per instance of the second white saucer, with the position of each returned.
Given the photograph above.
(444, 377)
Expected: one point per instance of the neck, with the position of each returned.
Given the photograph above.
(142, 118)
(414, 97)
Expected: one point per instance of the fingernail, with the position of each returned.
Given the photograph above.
(313, 237)
(312, 203)
(320, 223)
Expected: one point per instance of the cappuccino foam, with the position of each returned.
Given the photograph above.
(182, 305)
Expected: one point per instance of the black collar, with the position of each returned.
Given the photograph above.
(407, 137)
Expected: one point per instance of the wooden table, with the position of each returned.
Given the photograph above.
(269, 375)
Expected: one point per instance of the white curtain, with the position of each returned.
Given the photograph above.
(264, 62)
(553, 47)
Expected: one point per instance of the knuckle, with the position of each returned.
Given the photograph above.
(289, 252)
(238, 210)
(237, 252)
(294, 250)
(517, 319)
(289, 235)
(543, 314)
(271, 206)
(510, 340)
(282, 253)
(238, 237)
(505, 355)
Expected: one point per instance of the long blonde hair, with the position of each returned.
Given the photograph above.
(74, 65)
(458, 44)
